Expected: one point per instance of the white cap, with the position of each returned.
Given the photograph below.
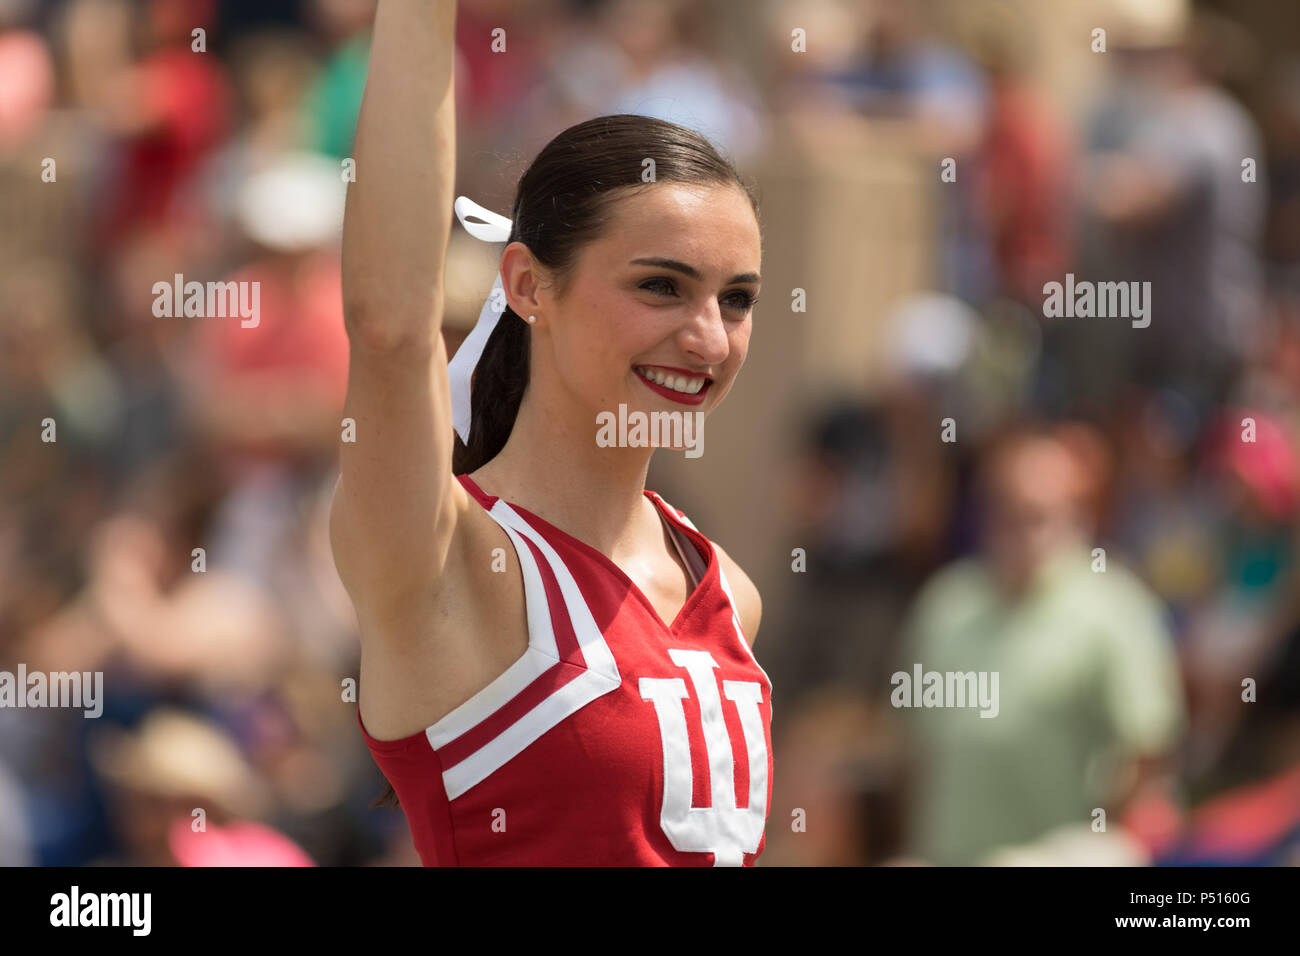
(293, 204)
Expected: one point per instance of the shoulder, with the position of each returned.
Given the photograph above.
(1121, 605)
(749, 605)
(966, 578)
(950, 598)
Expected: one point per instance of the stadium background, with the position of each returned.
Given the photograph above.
(924, 300)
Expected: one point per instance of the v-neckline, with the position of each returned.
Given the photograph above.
(692, 597)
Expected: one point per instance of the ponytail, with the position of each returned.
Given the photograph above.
(496, 393)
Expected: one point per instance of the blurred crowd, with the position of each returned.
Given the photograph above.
(1103, 533)
(1112, 525)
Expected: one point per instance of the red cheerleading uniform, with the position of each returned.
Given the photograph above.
(615, 740)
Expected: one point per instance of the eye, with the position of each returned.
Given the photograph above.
(737, 300)
(743, 300)
(656, 282)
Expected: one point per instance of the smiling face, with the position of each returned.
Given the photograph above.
(657, 312)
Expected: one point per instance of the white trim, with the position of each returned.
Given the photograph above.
(594, 649)
(601, 676)
(494, 754)
(540, 655)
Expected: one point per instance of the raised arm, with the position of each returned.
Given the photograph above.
(395, 506)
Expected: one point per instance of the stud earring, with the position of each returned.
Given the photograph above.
(532, 319)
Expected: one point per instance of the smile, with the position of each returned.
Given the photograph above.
(676, 384)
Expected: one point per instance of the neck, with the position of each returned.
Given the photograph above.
(552, 466)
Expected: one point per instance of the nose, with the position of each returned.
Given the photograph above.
(705, 335)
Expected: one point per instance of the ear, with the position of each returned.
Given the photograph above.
(524, 281)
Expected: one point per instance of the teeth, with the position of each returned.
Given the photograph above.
(678, 383)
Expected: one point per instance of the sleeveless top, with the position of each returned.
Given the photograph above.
(615, 740)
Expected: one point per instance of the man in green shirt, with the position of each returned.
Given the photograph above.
(1088, 692)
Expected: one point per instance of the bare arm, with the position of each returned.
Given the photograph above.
(396, 504)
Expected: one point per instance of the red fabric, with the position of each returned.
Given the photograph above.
(1269, 466)
(292, 366)
(187, 93)
(1249, 818)
(496, 81)
(1026, 165)
(590, 789)
(300, 332)
(1155, 822)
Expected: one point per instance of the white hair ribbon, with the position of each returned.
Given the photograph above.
(493, 228)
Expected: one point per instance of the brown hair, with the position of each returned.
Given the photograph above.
(562, 203)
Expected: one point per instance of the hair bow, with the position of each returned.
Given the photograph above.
(460, 369)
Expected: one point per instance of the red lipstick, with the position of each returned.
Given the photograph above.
(681, 398)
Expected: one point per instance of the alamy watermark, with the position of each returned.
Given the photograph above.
(75, 908)
(923, 688)
(1099, 300)
(639, 429)
(83, 689)
(213, 300)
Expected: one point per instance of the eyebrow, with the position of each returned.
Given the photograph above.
(691, 271)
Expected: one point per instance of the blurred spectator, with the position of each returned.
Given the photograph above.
(836, 764)
(935, 97)
(26, 75)
(1087, 681)
(1237, 625)
(268, 390)
(1251, 816)
(169, 109)
(1282, 126)
(168, 768)
(334, 101)
(1166, 514)
(1075, 844)
(272, 72)
(1166, 201)
(1026, 160)
(654, 59)
(15, 840)
(852, 499)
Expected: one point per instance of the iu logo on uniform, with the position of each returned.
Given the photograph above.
(723, 829)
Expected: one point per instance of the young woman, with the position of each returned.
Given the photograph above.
(556, 665)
